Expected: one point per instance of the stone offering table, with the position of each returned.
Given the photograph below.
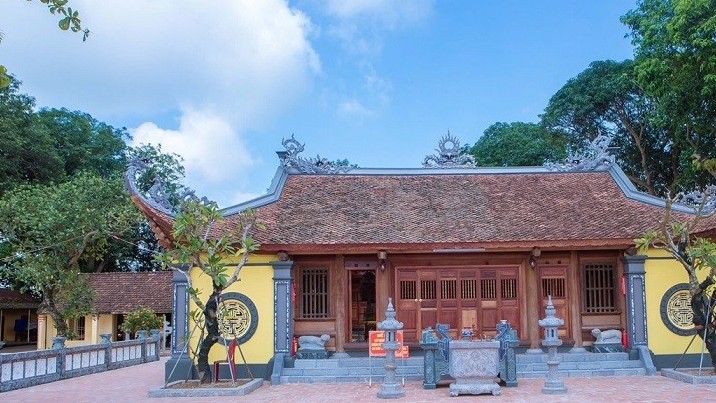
(474, 365)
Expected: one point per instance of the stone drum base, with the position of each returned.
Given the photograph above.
(474, 387)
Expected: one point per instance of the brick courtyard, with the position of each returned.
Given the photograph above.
(131, 385)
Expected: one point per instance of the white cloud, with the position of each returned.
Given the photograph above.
(390, 13)
(352, 108)
(247, 60)
(213, 152)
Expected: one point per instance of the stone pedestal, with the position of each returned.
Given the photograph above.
(474, 365)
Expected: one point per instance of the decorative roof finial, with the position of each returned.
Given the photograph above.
(597, 154)
(317, 165)
(449, 155)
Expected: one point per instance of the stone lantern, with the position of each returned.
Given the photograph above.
(553, 384)
(390, 389)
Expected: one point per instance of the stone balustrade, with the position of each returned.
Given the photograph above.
(20, 370)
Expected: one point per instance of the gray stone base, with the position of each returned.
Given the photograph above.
(577, 350)
(340, 356)
(534, 351)
(311, 354)
(607, 348)
(476, 387)
(391, 391)
(179, 369)
(554, 387)
(690, 375)
(207, 392)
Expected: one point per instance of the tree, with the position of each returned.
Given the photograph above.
(675, 64)
(55, 231)
(69, 20)
(517, 144)
(605, 99)
(203, 242)
(53, 144)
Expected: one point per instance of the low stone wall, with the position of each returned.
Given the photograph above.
(20, 370)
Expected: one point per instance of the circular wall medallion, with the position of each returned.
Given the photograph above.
(238, 318)
(676, 310)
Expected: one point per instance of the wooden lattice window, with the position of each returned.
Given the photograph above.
(488, 288)
(599, 288)
(427, 289)
(407, 289)
(508, 288)
(468, 289)
(448, 289)
(554, 287)
(314, 294)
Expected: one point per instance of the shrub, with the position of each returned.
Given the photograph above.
(141, 319)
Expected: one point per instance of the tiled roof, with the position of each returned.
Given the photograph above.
(547, 209)
(16, 299)
(120, 293)
(499, 208)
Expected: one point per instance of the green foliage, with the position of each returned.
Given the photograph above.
(517, 144)
(69, 20)
(56, 230)
(142, 319)
(675, 64)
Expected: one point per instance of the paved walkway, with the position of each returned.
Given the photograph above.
(131, 385)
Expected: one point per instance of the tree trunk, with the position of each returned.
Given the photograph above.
(48, 307)
(212, 336)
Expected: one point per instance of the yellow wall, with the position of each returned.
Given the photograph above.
(256, 282)
(662, 274)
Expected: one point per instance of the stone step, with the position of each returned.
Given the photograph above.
(567, 357)
(355, 362)
(376, 380)
(351, 371)
(581, 365)
(584, 373)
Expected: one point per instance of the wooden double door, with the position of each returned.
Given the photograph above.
(475, 297)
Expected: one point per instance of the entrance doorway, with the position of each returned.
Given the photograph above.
(476, 298)
(362, 304)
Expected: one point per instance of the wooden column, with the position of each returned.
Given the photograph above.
(383, 290)
(534, 303)
(575, 309)
(338, 283)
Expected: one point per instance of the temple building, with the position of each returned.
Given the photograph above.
(449, 243)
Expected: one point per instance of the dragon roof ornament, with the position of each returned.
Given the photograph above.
(596, 155)
(159, 195)
(317, 165)
(698, 198)
(449, 155)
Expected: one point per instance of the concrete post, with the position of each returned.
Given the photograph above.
(283, 307)
(636, 300)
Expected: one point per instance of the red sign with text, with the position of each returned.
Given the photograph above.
(376, 338)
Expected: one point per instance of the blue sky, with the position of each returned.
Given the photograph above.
(375, 81)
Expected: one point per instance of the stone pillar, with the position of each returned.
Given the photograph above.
(635, 272)
(179, 365)
(95, 329)
(554, 384)
(58, 343)
(283, 306)
(41, 332)
(390, 389)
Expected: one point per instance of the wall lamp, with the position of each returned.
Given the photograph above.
(382, 256)
(536, 252)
